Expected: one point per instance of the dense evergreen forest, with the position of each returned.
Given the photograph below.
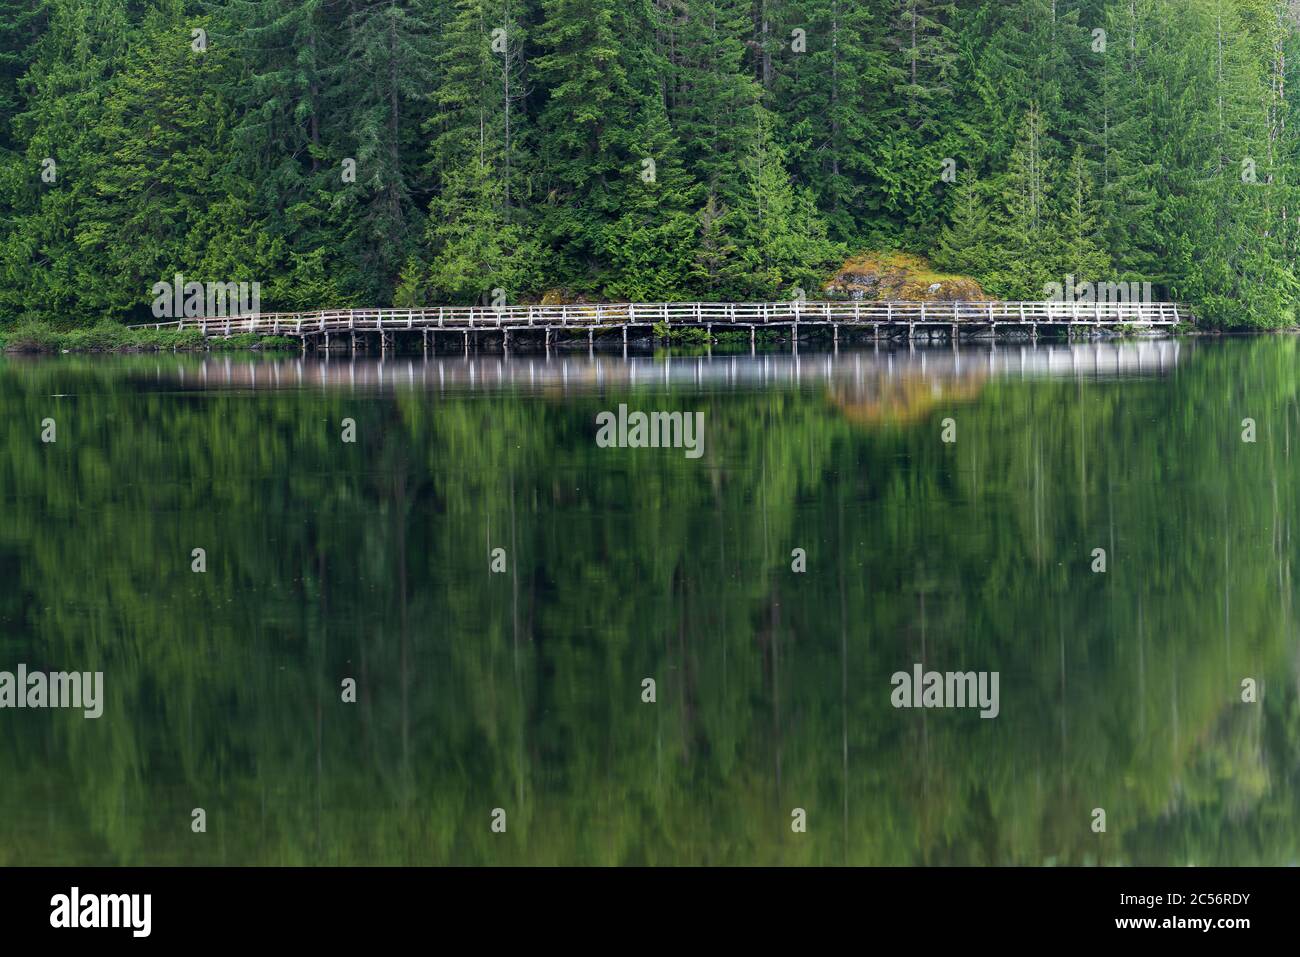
(417, 151)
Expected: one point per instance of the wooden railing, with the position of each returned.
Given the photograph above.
(606, 315)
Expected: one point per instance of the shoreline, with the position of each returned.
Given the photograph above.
(105, 338)
(123, 341)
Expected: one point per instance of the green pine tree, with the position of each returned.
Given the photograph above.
(1023, 233)
(475, 249)
(1080, 252)
(964, 242)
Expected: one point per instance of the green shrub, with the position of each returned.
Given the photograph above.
(30, 335)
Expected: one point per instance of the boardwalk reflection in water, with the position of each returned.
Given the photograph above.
(589, 372)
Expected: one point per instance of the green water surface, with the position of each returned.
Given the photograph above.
(522, 690)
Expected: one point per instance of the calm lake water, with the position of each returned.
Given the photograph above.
(522, 690)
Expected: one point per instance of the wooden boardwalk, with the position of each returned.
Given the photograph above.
(881, 319)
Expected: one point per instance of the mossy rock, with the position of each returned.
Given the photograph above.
(901, 276)
(558, 296)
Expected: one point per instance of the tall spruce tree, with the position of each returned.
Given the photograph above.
(831, 90)
(479, 236)
(916, 150)
(378, 97)
(1024, 226)
(964, 241)
(1078, 239)
(476, 249)
(783, 238)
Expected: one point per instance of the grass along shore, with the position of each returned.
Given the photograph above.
(34, 336)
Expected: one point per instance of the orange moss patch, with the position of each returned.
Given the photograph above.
(565, 297)
(904, 276)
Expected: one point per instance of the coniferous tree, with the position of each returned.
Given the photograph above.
(831, 91)
(650, 243)
(593, 93)
(1023, 229)
(963, 245)
(1081, 255)
(378, 94)
(783, 239)
(475, 248)
(923, 37)
(478, 237)
(46, 192)
(161, 205)
(283, 145)
(917, 150)
(716, 252)
(21, 24)
(714, 105)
